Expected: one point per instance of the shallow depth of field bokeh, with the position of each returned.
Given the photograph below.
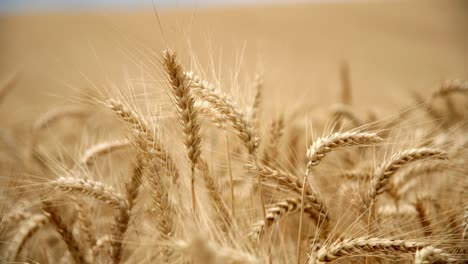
(388, 76)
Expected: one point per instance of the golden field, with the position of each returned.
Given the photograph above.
(306, 133)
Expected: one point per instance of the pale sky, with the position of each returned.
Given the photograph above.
(15, 6)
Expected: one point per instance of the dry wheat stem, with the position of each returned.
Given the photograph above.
(101, 149)
(90, 188)
(72, 244)
(423, 216)
(27, 229)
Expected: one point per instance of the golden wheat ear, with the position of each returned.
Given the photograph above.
(365, 246)
(187, 112)
(28, 227)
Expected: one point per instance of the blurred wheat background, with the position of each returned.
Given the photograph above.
(387, 76)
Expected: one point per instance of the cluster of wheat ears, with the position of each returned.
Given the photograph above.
(212, 182)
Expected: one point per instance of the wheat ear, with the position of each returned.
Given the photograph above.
(95, 189)
(450, 87)
(188, 114)
(363, 245)
(322, 146)
(388, 168)
(204, 91)
(147, 142)
(72, 244)
(215, 194)
(276, 212)
(85, 223)
(428, 255)
(102, 149)
(161, 200)
(27, 229)
(245, 130)
(122, 217)
(271, 150)
(294, 184)
(318, 150)
(256, 104)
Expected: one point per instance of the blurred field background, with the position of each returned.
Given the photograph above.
(392, 47)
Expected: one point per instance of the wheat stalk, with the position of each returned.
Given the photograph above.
(72, 244)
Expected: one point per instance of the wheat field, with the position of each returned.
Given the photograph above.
(242, 135)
